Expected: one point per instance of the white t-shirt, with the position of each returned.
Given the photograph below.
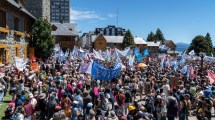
(166, 89)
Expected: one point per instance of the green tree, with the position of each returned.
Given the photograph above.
(43, 42)
(210, 47)
(199, 44)
(151, 37)
(159, 36)
(128, 40)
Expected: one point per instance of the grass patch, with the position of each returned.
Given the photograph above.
(3, 107)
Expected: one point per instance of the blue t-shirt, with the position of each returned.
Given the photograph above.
(74, 116)
(208, 93)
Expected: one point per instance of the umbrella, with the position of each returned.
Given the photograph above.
(141, 65)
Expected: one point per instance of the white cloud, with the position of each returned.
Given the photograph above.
(110, 15)
(84, 14)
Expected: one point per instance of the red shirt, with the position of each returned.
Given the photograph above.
(29, 110)
(123, 101)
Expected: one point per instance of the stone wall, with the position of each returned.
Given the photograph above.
(46, 9)
(38, 8)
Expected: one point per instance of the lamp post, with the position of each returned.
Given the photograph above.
(202, 55)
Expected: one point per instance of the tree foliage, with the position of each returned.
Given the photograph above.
(159, 36)
(199, 44)
(151, 37)
(210, 47)
(43, 41)
(128, 40)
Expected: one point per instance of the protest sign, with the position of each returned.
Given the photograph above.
(34, 66)
(20, 63)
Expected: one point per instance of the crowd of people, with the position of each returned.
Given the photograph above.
(61, 92)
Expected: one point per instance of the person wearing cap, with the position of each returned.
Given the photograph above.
(112, 116)
(75, 111)
(131, 113)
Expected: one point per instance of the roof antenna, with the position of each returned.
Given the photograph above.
(117, 17)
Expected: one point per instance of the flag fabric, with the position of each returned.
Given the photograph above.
(97, 55)
(175, 67)
(102, 73)
(61, 56)
(182, 62)
(191, 53)
(122, 53)
(146, 52)
(163, 48)
(83, 67)
(57, 48)
(192, 75)
(184, 69)
(211, 77)
(131, 61)
(138, 55)
(20, 63)
(161, 64)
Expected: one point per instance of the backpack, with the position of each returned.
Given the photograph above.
(120, 99)
(184, 108)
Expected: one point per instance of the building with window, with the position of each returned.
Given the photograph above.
(60, 11)
(65, 34)
(15, 26)
(86, 39)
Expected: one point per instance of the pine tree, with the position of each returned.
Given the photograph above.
(199, 44)
(128, 40)
(151, 37)
(159, 36)
(43, 41)
(210, 47)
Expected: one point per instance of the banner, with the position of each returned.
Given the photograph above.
(34, 66)
(100, 72)
(20, 63)
(211, 77)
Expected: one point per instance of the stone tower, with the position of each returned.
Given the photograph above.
(38, 8)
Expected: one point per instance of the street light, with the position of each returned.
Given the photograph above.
(202, 55)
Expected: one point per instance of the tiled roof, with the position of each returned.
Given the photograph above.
(68, 29)
(118, 39)
(21, 8)
(139, 40)
(154, 44)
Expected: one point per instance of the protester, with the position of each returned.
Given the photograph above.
(63, 90)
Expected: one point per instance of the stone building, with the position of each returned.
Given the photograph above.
(38, 8)
(15, 26)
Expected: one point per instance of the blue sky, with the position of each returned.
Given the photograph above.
(179, 20)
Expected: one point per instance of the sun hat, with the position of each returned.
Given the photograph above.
(42, 96)
(90, 104)
(131, 107)
(75, 102)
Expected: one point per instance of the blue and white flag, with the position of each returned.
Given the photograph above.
(61, 56)
(102, 73)
(138, 55)
(191, 53)
(182, 62)
(184, 69)
(175, 67)
(163, 48)
(146, 52)
(161, 64)
(122, 53)
(57, 48)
